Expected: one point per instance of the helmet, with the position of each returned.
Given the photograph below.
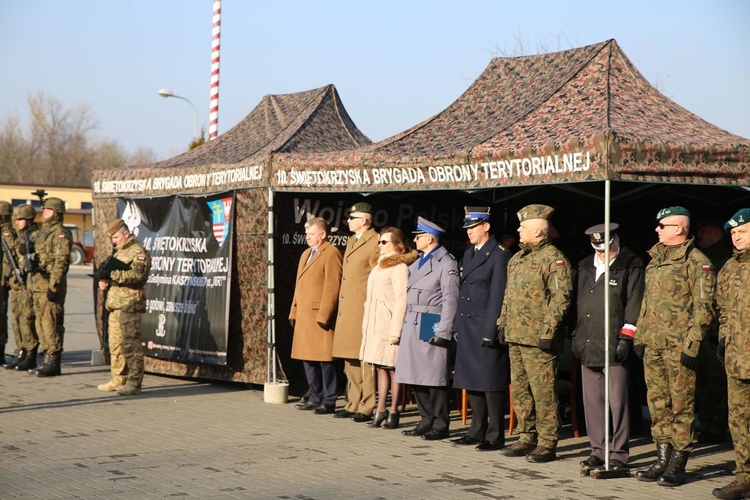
(55, 204)
(5, 209)
(25, 212)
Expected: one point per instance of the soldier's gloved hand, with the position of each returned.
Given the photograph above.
(545, 345)
(52, 296)
(394, 340)
(490, 343)
(501, 335)
(324, 326)
(622, 349)
(438, 341)
(22, 250)
(721, 349)
(292, 322)
(688, 361)
(639, 350)
(105, 274)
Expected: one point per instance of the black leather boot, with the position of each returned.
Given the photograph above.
(663, 456)
(392, 421)
(51, 366)
(29, 361)
(19, 359)
(675, 473)
(379, 418)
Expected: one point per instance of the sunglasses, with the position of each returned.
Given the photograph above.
(384, 242)
(662, 226)
(352, 218)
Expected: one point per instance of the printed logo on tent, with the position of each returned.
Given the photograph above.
(221, 211)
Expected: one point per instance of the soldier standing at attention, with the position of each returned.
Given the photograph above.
(7, 233)
(49, 284)
(126, 302)
(734, 337)
(676, 312)
(537, 298)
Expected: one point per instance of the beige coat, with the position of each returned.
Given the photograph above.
(357, 266)
(385, 308)
(315, 299)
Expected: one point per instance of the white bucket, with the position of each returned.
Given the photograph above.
(276, 393)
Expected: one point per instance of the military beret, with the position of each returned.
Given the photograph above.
(361, 207)
(115, 226)
(535, 212)
(596, 235)
(476, 215)
(740, 218)
(425, 226)
(670, 211)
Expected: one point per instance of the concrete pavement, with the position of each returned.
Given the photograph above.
(60, 438)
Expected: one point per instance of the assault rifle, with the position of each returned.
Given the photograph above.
(14, 266)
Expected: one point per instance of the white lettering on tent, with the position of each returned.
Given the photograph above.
(237, 175)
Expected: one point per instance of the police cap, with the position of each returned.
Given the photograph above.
(476, 215)
(425, 226)
(596, 235)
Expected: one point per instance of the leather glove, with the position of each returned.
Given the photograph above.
(438, 341)
(622, 349)
(501, 335)
(105, 274)
(23, 250)
(394, 340)
(52, 295)
(688, 361)
(324, 326)
(721, 349)
(545, 345)
(292, 322)
(490, 343)
(639, 350)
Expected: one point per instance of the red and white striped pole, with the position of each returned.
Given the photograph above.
(213, 113)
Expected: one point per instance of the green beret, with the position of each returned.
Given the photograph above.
(740, 218)
(361, 207)
(115, 226)
(535, 212)
(670, 211)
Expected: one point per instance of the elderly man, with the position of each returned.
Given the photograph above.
(313, 315)
(676, 312)
(734, 337)
(348, 335)
(537, 298)
(482, 366)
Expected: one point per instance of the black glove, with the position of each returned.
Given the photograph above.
(105, 274)
(491, 343)
(438, 341)
(721, 349)
(22, 250)
(51, 295)
(501, 335)
(622, 349)
(324, 326)
(639, 350)
(545, 345)
(688, 361)
(292, 322)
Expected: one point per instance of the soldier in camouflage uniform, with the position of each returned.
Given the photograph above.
(734, 338)
(676, 313)
(537, 297)
(126, 302)
(21, 300)
(6, 230)
(49, 284)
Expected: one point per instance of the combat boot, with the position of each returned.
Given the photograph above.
(675, 473)
(733, 491)
(663, 457)
(51, 366)
(29, 361)
(128, 390)
(19, 359)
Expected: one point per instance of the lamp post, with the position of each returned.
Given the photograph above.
(170, 93)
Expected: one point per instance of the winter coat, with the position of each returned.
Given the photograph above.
(315, 299)
(433, 288)
(385, 308)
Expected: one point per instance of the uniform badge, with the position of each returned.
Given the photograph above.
(706, 267)
(452, 272)
(559, 263)
(141, 258)
(61, 236)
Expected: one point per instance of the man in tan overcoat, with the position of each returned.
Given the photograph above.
(313, 315)
(348, 337)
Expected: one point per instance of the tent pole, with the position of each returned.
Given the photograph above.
(271, 369)
(606, 320)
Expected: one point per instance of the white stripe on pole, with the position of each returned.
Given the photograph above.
(213, 112)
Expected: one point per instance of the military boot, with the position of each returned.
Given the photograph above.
(735, 490)
(29, 361)
(675, 473)
(19, 359)
(663, 456)
(51, 366)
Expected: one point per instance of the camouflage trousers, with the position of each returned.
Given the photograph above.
(4, 318)
(125, 348)
(49, 318)
(532, 388)
(710, 391)
(24, 329)
(738, 392)
(671, 397)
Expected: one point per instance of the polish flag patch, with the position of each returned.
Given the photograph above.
(706, 267)
(559, 262)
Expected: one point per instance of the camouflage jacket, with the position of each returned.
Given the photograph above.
(22, 256)
(678, 303)
(734, 314)
(537, 295)
(9, 237)
(126, 287)
(52, 245)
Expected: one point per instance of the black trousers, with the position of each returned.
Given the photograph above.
(487, 416)
(432, 403)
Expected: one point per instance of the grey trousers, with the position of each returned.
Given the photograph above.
(592, 382)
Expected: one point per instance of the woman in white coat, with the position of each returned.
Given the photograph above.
(385, 309)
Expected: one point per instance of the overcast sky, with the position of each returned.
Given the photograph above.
(393, 63)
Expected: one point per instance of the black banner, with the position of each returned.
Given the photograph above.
(190, 242)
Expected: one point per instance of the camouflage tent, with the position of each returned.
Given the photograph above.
(303, 122)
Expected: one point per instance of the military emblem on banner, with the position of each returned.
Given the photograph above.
(221, 211)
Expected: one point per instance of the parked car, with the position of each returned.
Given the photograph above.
(81, 252)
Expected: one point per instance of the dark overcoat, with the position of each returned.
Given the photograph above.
(480, 298)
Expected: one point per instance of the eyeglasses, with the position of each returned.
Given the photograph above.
(384, 242)
(662, 226)
(420, 235)
(351, 217)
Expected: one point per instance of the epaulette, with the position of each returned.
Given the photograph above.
(501, 247)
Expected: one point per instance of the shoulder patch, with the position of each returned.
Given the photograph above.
(61, 236)
(559, 262)
(452, 272)
(141, 258)
(706, 267)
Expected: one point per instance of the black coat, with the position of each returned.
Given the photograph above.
(482, 288)
(626, 275)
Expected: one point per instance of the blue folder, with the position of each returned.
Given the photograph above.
(428, 326)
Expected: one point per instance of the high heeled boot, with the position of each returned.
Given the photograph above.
(379, 418)
(392, 421)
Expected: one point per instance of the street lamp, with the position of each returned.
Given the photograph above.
(170, 93)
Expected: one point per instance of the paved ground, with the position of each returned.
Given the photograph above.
(61, 438)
